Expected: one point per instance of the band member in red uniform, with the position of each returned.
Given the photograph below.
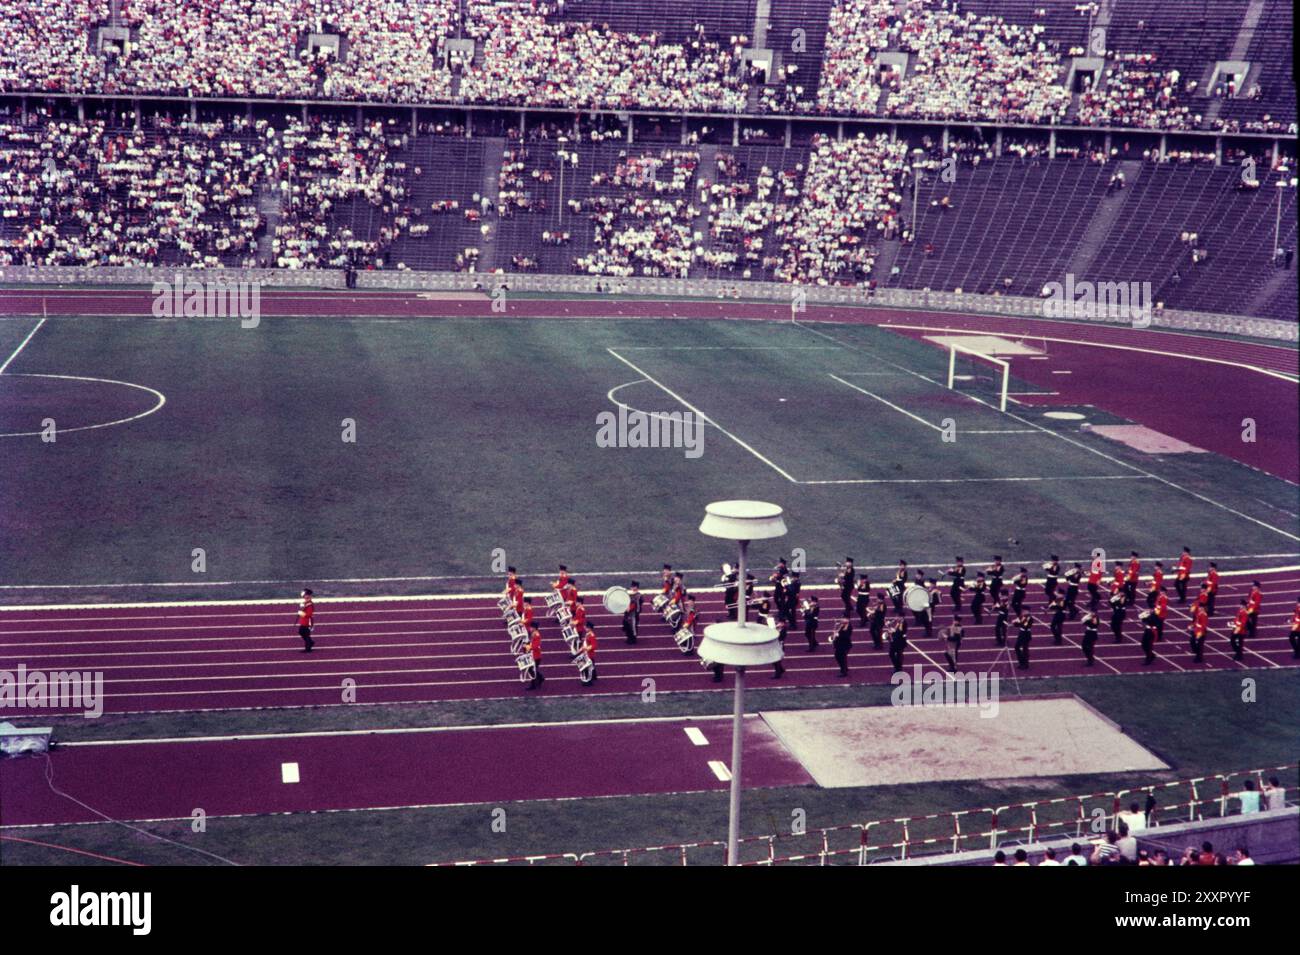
(517, 597)
(1295, 630)
(526, 615)
(512, 581)
(692, 615)
(667, 580)
(1212, 585)
(1253, 602)
(306, 609)
(579, 612)
(589, 648)
(1240, 624)
(1157, 582)
(535, 648)
(1161, 610)
(632, 615)
(561, 580)
(1183, 574)
(1117, 581)
(1094, 582)
(1200, 626)
(1131, 580)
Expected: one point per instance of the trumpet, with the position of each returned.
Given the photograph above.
(806, 606)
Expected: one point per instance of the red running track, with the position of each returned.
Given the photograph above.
(228, 656)
(388, 769)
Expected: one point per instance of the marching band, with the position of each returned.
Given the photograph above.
(783, 604)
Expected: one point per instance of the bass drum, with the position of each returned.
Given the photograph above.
(617, 600)
(917, 599)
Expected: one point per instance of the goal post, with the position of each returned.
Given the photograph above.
(1001, 369)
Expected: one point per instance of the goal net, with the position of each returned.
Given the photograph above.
(978, 375)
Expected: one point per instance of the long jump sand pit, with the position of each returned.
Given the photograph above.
(884, 745)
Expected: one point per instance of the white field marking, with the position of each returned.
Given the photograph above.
(1132, 348)
(394, 731)
(672, 394)
(21, 345)
(695, 736)
(289, 773)
(1032, 394)
(887, 404)
(1084, 447)
(1066, 477)
(1060, 371)
(649, 414)
(726, 348)
(162, 400)
(720, 770)
(292, 603)
(922, 420)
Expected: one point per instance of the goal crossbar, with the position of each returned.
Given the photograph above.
(1005, 366)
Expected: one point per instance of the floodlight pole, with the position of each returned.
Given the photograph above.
(737, 727)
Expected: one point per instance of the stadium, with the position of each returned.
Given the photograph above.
(397, 396)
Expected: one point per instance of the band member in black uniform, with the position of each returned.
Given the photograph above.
(1118, 611)
(958, 574)
(1000, 625)
(979, 588)
(862, 598)
(1058, 618)
(777, 580)
(996, 574)
(1051, 574)
(878, 619)
(1148, 619)
(749, 596)
(899, 585)
(1090, 626)
(1024, 633)
(952, 635)
(811, 613)
(897, 642)
(792, 597)
(934, 608)
(731, 593)
(1072, 578)
(632, 615)
(1019, 589)
(843, 643)
(845, 582)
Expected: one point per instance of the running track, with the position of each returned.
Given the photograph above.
(157, 657)
(387, 769)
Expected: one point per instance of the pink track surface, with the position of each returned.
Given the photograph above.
(1202, 402)
(249, 656)
(227, 777)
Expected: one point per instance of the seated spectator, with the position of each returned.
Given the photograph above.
(1076, 856)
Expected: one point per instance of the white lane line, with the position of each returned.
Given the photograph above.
(289, 773)
(720, 770)
(695, 736)
(21, 346)
(1061, 477)
(704, 417)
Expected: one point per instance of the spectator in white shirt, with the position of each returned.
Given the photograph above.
(1049, 858)
(1249, 797)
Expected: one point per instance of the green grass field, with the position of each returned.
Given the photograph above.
(477, 435)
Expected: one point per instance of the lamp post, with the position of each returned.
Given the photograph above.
(740, 644)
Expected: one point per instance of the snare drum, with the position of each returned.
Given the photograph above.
(553, 600)
(504, 604)
(586, 669)
(527, 668)
(659, 602)
(517, 644)
(673, 617)
(685, 638)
